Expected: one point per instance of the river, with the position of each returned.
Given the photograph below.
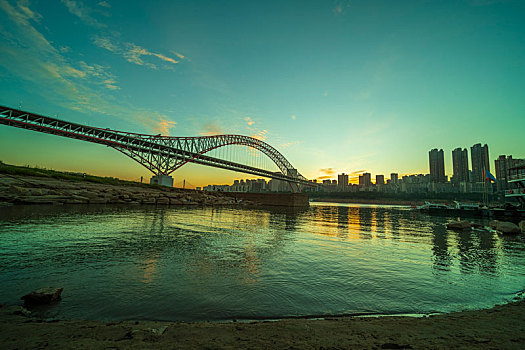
(223, 263)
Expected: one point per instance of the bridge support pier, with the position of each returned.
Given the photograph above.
(163, 180)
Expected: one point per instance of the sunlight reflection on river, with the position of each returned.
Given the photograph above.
(216, 263)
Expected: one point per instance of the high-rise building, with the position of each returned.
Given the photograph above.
(460, 165)
(437, 165)
(480, 161)
(342, 181)
(503, 166)
(393, 178)
(365, 180)
(380, 180)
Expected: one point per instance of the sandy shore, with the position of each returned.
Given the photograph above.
(501, 327)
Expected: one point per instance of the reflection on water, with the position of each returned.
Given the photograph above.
(219, 263)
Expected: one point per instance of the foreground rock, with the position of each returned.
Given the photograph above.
(43, 296)
(459, 225)
(505, 227)
(522, 226)
(15, 310)
(21, 189)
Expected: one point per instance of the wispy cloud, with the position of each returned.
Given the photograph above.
(131, 52)
(104, 4)
(211, 129)
(75, 85)
(260, 135)
(249, 121)
(77, 8)
(158, 123)
(327, 171)
(289, 144)
(340, 6)
(105, 43)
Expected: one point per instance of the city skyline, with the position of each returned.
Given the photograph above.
(370, 88)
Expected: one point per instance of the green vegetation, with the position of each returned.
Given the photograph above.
(42, 172)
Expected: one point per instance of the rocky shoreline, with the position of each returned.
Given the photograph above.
(500, 327)
(23, 189)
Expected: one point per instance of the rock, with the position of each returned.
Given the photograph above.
(159, 330)
(493, 223)
(44, 199)
(42, 296)
(522, 226)
(16, 310)
(163, 201)
(97, 201)
(507, 227)
(458, 225)
(395, 346)
(475, 225)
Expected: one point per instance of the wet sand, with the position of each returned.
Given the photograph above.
(501, 327)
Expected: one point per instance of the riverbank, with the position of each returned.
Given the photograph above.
(500, 327)
(20, 189)
(374, 201)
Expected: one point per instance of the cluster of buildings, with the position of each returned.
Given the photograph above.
(465, 178)
(474, 178)
(256, 185)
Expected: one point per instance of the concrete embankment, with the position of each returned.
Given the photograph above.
(22, 189)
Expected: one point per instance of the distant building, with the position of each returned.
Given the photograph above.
(480, 161)
(365, 180)
(380, 180)
(437, 165)
(342, 181)
(393, 178)
(460, 165)
(503, 166)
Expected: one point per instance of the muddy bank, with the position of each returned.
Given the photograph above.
(501, 327)
(23, 189)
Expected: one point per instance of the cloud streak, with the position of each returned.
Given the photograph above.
(132, 53)
(78, 9)
(211, 129)
(79, 86)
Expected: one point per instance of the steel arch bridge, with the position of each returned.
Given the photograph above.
(162, 155)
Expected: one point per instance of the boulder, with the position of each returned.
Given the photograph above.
(163, 201)
(493, 223)
(458, 225)
(507, 227)
(42, 296)
(16, 310)
(522, 226)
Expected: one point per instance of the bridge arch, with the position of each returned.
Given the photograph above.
(213, 142)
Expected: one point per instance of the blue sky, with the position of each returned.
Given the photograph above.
(336, 86)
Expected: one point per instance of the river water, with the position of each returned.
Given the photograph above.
(219, 263)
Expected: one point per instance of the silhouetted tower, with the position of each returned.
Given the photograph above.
(480, 161)
(460, 165)
(437, 165)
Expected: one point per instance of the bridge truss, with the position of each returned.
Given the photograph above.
(160, 154)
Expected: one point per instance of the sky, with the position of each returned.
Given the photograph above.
(335, 86)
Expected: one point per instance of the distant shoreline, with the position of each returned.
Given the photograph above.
(369, 201)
